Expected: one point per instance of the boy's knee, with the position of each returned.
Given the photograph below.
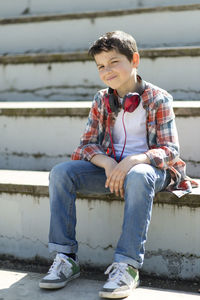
(60, 172)
(140, 174)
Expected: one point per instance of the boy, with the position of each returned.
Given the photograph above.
(130, 148)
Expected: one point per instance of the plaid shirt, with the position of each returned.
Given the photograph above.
(162, 135)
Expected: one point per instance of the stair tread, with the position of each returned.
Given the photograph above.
(79, 108)
(21, 58)
(36, 183)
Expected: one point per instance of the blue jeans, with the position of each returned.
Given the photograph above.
(140, 186)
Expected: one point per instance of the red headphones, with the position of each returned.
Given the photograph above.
(129, 104)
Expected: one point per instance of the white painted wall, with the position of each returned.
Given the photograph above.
(172, 247)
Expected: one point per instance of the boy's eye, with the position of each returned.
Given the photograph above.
(114, 61)
(100, 67)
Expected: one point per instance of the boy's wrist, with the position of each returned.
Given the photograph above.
(102, 160)
(140, 159)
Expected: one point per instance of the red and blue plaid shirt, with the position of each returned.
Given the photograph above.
(162, 135)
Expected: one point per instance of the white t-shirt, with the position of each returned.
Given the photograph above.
(136, 136)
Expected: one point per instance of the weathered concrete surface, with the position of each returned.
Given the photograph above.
(18, 286)
(38, 58)
(79, 109)
(63, 77)
(38, 135)
(26, 7)
(173, 245)
(64, 29)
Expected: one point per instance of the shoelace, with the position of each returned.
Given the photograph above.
(116, 271)
(56, 267)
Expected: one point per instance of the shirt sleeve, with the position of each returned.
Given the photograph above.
(165, 153)
(90, 141)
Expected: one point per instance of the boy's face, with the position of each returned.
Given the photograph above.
(116, 71)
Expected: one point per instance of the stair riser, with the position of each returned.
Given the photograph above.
(80, 80)
(168, 28)
(24, 223)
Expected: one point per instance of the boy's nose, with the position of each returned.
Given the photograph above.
(108, 69)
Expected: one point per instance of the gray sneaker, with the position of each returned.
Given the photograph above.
(62, 270)
(123, 279)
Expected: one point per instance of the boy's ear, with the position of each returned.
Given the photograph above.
(136, 59)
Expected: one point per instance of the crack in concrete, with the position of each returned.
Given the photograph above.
(23, 238)
(51, 87)
(35, 155)
(54, 93)
(96, 247)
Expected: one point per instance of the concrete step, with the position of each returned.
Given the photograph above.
(74, 76)
(37, 135)
(9, 8)
(75, 32)
(173, 243)
(25, 284)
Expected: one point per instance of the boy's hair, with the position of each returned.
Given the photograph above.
(120, 41)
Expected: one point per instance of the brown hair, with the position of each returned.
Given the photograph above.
(120, 41)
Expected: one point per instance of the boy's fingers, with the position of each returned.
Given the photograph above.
(122, 192)
(115, 182)
(107, 182)
(110, 183)
(118, 183)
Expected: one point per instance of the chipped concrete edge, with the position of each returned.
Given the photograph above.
(162, 198)
(73, 109)
(46, 112)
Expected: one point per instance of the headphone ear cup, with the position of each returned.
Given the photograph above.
(113, 101)
(131, 102)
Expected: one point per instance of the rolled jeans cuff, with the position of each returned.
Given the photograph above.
(127, 260)
(62, 248)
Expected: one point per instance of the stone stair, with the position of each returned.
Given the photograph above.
(46, 87)
(37, 135)
(74, 77)
(173, 245)
(166, 26)
(10, 9)
(49, 50)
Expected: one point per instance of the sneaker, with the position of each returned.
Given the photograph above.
(62, 270)
(123, 279)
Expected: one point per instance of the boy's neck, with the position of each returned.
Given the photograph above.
(136, 87)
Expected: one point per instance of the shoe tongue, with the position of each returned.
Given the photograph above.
(61, 255)
(118, 268)
(123, 264)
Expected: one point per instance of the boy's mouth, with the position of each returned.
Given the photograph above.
(111, 77)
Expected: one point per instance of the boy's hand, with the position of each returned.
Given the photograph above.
(110, 166)
(115, 181)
